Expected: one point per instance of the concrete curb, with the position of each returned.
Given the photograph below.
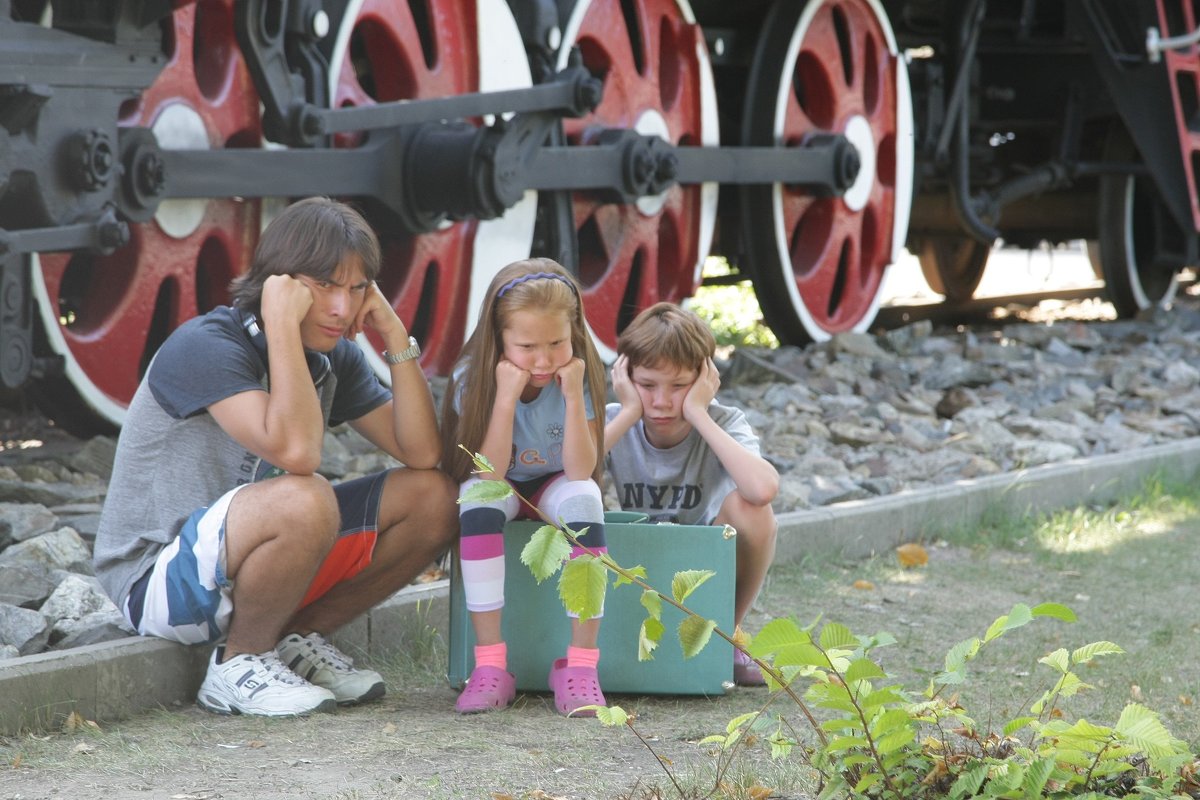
(117, 679)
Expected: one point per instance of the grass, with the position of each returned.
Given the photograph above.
(1125, 569)
(1122, 569)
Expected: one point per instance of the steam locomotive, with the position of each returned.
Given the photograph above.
(144, 144)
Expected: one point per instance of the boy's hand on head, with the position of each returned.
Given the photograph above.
(623, 387)
(570, 376)
(702, 392)
(285, 301)
(378, 315)
(510, 379)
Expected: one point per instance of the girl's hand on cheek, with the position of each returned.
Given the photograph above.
(570, 375)
(510, 379)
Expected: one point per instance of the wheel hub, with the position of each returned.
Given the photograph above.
(858, 131)
(179, 127)
(652, 123)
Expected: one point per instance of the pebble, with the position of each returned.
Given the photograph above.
(855, 417)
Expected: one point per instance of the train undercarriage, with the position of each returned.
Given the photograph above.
(146, 142)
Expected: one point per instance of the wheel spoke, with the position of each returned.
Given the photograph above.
(107, 315)
(654, 81)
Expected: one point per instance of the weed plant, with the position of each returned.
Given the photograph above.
(864, 733)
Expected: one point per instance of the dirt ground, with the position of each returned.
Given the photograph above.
(412, 745)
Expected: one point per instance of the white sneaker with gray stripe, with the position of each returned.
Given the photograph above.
(260, 685)
(322, 664)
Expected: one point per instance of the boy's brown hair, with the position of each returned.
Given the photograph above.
(666, 334)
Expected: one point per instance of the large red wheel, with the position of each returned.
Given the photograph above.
(385, 51)
(657, 80)
(818, 262)
(107, 315)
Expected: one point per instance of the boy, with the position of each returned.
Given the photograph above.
(677, 455)
(217, 526)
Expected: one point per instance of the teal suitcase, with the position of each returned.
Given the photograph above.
(537, 630)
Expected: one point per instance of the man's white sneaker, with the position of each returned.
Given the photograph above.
(322, 664)
(261, 685)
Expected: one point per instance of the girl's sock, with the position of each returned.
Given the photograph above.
(492, 655)
(583, 656)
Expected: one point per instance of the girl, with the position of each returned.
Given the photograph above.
(525, 394)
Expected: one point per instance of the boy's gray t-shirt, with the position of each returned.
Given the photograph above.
(686, 483)
(173, 458)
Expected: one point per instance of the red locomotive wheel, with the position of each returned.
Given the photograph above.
(657, 80)
(108, 315)
(818, 262)
(385, 51)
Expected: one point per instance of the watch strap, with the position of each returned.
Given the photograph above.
(412, 351)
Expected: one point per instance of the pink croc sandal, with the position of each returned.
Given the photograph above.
(745, 671)
(575, 687)
(487, 689)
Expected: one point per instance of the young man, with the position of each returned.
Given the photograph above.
(216, 525)
(677, 455)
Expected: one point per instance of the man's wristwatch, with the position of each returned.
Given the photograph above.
(407, 354)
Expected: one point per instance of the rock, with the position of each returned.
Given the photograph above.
(26, 630)
(21, 521)
(76, 597)
(26, 585)
(60, 549)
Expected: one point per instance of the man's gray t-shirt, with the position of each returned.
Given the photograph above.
(173, 458)
(686, 483)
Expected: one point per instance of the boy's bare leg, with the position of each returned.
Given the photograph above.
(756, 527)
(418, 520)
(277, 533)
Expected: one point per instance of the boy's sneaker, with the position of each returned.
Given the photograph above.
(261, 685)
(322, 664)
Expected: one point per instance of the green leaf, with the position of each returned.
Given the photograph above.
(1141, 727)
(652, 602)
(801, 655)
(895, 740)
(620, 580)
(545, 551)
(582, 586)
(1089, 651)
(967, 784)
(776, 634)
(1018, 616)
(1055, 610)
(953, 677)
(485, 492)
(694, 633)
(863, 669)
(845, 743)
(1036, 776)
(867, 781)
(611, 716)
(1015, 725)
(686, 582)
(834, 636)
(889, 721)
(842, 724)
(1058, 659)
(648, 638)
(962, 652)
(479, 460)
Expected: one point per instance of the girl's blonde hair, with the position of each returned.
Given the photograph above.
(507, 294)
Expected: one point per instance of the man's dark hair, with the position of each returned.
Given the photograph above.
(310, 237)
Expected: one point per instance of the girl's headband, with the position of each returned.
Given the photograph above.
(530, 277)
